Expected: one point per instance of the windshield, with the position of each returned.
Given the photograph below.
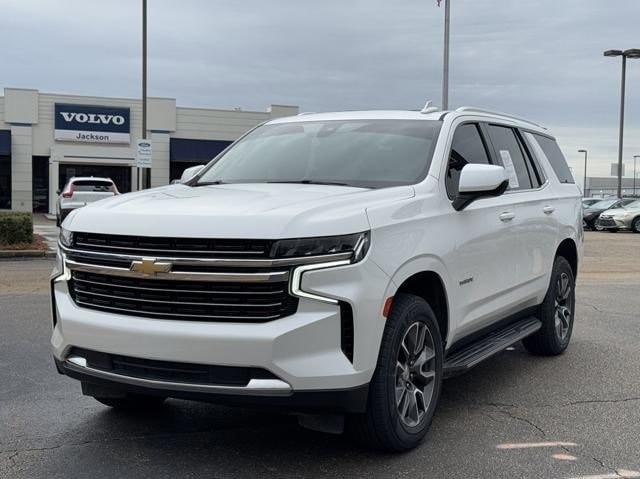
(604, 204)
(362, 153)
(633, 204)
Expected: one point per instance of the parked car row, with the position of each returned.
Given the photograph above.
(611, 214)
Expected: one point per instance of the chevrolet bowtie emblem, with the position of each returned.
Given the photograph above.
(150, 266)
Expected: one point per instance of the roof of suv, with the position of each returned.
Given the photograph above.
(410, 115)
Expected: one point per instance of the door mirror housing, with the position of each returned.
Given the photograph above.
(190, 173)
(480, 181)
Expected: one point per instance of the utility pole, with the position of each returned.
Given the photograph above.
(445, 69)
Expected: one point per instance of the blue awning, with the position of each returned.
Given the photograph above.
(5, 142)
(184, 150)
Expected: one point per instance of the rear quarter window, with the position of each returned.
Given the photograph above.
(557, 160)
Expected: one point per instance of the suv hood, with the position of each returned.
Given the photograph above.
(251, 210)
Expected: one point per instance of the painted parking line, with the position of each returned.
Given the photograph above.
(527, 445)
(620, 473)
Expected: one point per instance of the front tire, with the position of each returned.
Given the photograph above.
(635, 225)
(556, 313)
(405, 388)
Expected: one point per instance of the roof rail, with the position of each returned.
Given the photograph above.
(306, 113)
(497, 113)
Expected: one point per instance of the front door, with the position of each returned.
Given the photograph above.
(485, 236)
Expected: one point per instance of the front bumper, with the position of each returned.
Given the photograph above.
(303, 350)
(611, 223)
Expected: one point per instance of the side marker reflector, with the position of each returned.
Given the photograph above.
(386, 310)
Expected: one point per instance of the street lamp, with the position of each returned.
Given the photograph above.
(631, 53)
(635, 157)
(584, 187)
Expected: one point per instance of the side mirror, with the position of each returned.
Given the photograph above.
(478, 181)
(190, 173)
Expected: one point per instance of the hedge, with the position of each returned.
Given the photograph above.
(16, 228)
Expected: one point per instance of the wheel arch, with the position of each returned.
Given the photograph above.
(568, 250)
(430, 286)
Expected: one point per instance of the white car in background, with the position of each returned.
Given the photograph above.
(338, 265)
(80, 191)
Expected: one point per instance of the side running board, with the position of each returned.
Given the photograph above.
(485, 347)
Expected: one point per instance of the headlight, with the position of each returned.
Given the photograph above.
(66, 237)
(357, 243)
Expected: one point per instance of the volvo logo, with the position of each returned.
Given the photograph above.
(150, 266)
(95, 118)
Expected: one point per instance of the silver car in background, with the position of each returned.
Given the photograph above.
(624, 217)
(80, 191)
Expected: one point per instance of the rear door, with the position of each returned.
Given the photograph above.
(535, 203)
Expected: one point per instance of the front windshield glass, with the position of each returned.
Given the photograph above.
(633, 204)
(604, 204)
(362, 153)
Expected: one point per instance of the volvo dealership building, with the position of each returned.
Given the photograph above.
(45, 139)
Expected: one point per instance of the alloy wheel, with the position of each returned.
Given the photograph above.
(563, 306)
(415, 374)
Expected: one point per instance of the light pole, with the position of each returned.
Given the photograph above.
(635, 157)
(584, 186)
(142, 177)
(631, 53)
(445, 66)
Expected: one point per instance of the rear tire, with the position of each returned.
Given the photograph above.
(405, 388)
(635, 225)
(132, 402)
(556, 313)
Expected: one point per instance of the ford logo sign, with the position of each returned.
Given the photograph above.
(144, 145)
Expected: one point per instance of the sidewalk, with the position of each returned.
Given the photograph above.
(47, 229)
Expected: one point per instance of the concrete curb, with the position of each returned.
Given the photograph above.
(26, 253)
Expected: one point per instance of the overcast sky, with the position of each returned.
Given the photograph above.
(540, 58)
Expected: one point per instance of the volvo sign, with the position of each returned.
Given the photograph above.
(92, 124)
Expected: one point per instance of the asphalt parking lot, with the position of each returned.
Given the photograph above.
(575, 416)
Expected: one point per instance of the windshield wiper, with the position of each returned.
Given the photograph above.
(207, 183)
(312, 182)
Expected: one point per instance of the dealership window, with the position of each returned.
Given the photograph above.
(5, 169)
(40, 183)
(5, 182)
(185, 153)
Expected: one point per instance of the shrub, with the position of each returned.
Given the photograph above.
(16, 228)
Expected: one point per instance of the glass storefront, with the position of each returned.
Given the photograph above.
(5, 182)
(40, 183)
(121, 175)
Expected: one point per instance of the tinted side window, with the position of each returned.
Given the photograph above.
(467, 147)
(556, 158)
(511, 155)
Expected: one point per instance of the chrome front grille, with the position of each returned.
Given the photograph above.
(205, 280)
(183, 300)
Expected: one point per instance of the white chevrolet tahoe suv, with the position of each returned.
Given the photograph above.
(335, 265)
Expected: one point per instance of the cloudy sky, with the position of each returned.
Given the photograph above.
(540, 58)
